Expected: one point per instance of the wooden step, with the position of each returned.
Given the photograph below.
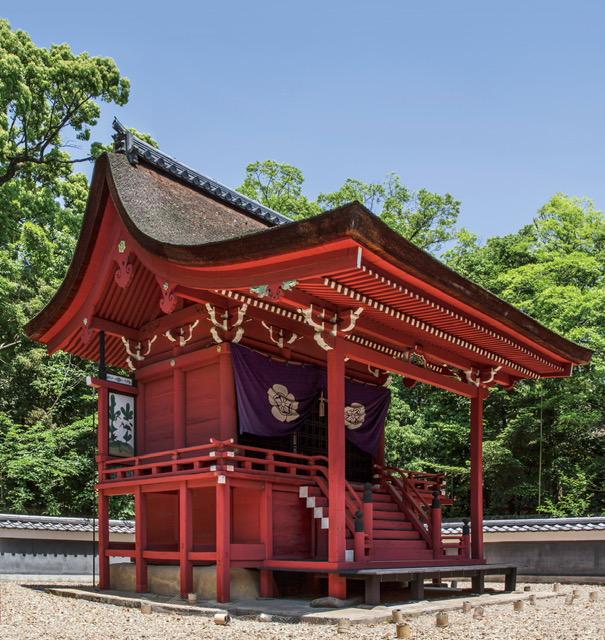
(395, 534)
(306, 491)
(400, 524)
(389, 515)
(400, 544)
(385, 506)
(415, 555)
(381, 497)
(316, 501)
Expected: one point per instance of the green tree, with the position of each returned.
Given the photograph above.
(50, 98)
(425, 218)
(278, 186)
(43, 93)
(553, 270)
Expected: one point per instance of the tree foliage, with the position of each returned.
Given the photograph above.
(553, 270)
(47, 97)
(428, 219)
(44, 93)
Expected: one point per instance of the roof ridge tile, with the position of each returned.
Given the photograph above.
(136, 149)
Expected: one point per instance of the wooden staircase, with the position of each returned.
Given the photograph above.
(393, 535)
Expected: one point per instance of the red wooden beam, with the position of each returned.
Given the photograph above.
(114, 328)
(176, 319)
(368, 356)
(327, 259)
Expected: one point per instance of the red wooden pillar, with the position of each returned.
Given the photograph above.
(436, 524)
(140, 539)
(141, 446)
(337, 586)
(185, 539)
(227, 409)
(103, 431)
(103, 500)
(178, 382)
(477, 476)
(103, 540)
(223, 540)
(267, 584)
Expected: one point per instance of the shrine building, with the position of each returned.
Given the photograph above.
(250, 429)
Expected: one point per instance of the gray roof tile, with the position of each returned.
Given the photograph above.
(52, 523)
(136, 149)
(534, 524)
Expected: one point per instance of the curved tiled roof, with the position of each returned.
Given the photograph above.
(534, 524)
(56, 523)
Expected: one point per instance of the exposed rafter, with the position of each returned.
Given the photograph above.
(426, 327)
(458, 316)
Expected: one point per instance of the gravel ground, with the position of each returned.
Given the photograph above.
(27, 613)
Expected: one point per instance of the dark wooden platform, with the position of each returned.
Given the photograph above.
(417, 575)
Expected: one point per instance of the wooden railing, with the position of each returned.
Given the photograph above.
(196, 459)
(228, 456)
(406, 495)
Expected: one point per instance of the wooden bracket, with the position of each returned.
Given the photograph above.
(182, 338)
(280, 337)
(223, 329)
(137, 352)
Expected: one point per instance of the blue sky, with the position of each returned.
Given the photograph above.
(499, 103)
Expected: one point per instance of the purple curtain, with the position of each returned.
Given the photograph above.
(366, 408)
(274, 399)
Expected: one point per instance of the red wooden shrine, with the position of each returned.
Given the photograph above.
(172, 268)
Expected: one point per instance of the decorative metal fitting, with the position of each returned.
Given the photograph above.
(359, 522)
(436, 504)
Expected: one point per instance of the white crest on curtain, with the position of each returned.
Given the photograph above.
(355, 415)
(284, 406)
